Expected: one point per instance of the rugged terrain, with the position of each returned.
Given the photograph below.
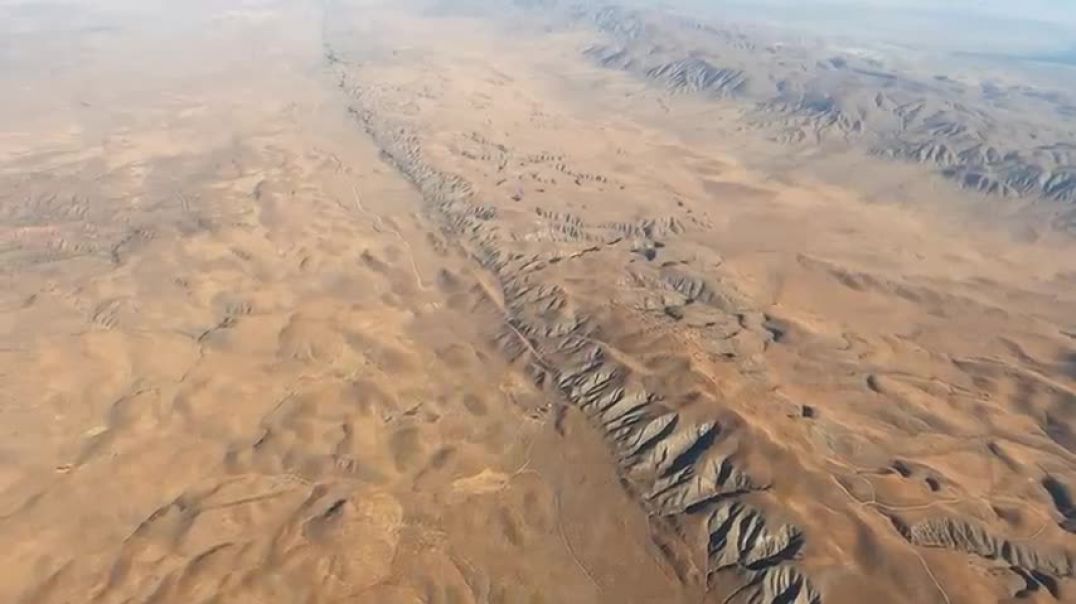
(985, 134)
(369, 302)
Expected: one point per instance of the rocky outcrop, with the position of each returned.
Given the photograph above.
(741, 539)
(688, 74)
(698, 75)
(1040, 567)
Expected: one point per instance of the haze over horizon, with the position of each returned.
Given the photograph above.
(981, 26)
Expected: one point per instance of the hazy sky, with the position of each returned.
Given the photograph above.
(997, 26)
(1039, 10)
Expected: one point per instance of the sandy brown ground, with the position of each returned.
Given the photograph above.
(236, 364)
(243, 359)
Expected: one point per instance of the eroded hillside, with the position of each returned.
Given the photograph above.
(431, 306)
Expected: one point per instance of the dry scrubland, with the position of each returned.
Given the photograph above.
(374, 302)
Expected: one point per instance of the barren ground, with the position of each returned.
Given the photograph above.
(355, 302)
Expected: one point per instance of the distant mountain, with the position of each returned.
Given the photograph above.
(1001, 140)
